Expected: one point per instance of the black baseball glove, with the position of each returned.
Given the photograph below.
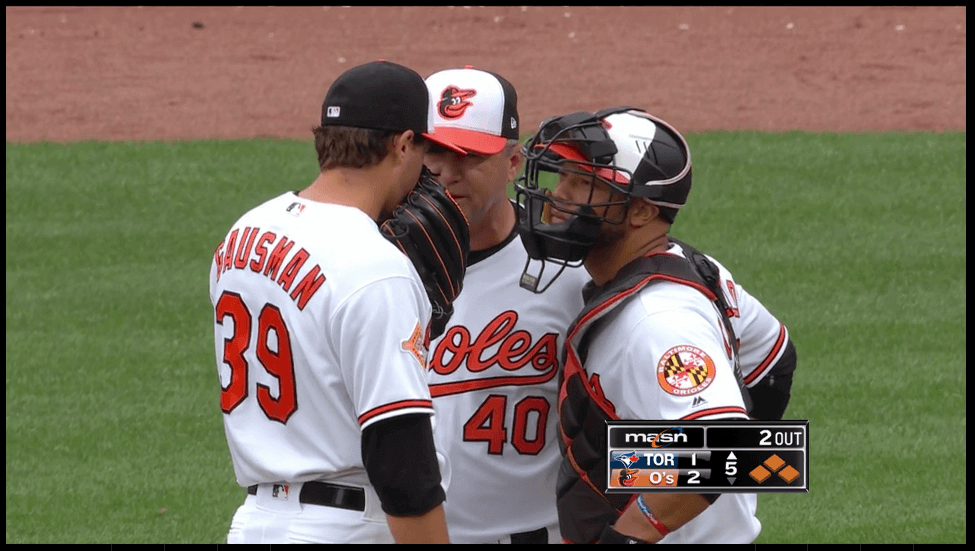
(433, 232)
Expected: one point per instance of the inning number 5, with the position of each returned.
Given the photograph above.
(278, 363)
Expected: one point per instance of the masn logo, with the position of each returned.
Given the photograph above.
(657, 439)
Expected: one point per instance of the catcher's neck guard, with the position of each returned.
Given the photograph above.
(564, 245)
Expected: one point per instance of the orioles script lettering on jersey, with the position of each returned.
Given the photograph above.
(515, 352)
(235, 255)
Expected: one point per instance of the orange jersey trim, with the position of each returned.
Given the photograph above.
(403, 404)
(459, 387)
(715, 411)
(767, 362)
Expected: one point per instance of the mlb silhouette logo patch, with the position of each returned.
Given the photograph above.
(294, 209)
(280, 491)
(333, 111)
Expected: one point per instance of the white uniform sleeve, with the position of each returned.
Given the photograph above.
(679, 368)
(213, 278)
(378, 335)
(763, 338)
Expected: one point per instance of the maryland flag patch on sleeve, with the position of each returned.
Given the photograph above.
(685, 370)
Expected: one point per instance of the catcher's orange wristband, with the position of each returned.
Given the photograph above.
(659, 526)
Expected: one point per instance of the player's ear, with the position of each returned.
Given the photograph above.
(514, 161)
(642, 213)
(403, 143)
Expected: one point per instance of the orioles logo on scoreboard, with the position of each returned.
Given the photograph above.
(627, 477)
(685, 370)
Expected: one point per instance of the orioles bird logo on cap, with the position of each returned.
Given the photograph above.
(453, 102)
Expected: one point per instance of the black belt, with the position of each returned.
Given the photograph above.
(329, 495)
(535, 536)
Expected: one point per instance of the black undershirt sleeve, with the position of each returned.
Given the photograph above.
(401, 461)
(771, 395)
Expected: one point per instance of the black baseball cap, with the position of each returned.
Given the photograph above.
(381, 95)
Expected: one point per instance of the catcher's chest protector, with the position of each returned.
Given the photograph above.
(583, 506)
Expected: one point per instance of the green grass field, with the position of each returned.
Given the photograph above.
(114, 433)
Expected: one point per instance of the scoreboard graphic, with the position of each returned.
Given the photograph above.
(707, 457)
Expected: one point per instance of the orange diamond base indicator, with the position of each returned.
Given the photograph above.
(775, 463)
(760, 474)
(789, 474)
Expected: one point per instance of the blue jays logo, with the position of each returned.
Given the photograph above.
(628, 459)
(627, 475)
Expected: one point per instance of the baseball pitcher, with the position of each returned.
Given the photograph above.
(321, 328)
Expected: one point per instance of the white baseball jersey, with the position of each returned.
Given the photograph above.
(319, 327)
(665, 354)
(494, 380)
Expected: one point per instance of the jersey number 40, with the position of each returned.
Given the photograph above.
(488, 424)
(278, 363)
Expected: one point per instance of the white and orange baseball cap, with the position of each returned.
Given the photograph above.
(474, 110)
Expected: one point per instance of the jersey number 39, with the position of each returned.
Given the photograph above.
(278, 363)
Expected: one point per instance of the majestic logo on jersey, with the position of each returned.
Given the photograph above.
(414, 345)
(498, 344)
(685, 370)
(453, 102)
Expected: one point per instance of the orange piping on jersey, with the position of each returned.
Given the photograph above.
(402, 404)
(767, 362)
(449, 389)
(715, 411)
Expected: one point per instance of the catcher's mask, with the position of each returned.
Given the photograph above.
(637, 155)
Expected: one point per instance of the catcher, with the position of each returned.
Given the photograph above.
(319, 330)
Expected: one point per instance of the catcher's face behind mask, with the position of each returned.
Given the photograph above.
(626, 151)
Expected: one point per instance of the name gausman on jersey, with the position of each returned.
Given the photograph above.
(236, 254)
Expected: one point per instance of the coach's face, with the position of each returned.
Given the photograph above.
(478, 183)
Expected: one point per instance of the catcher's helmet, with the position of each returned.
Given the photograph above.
(636, 154)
